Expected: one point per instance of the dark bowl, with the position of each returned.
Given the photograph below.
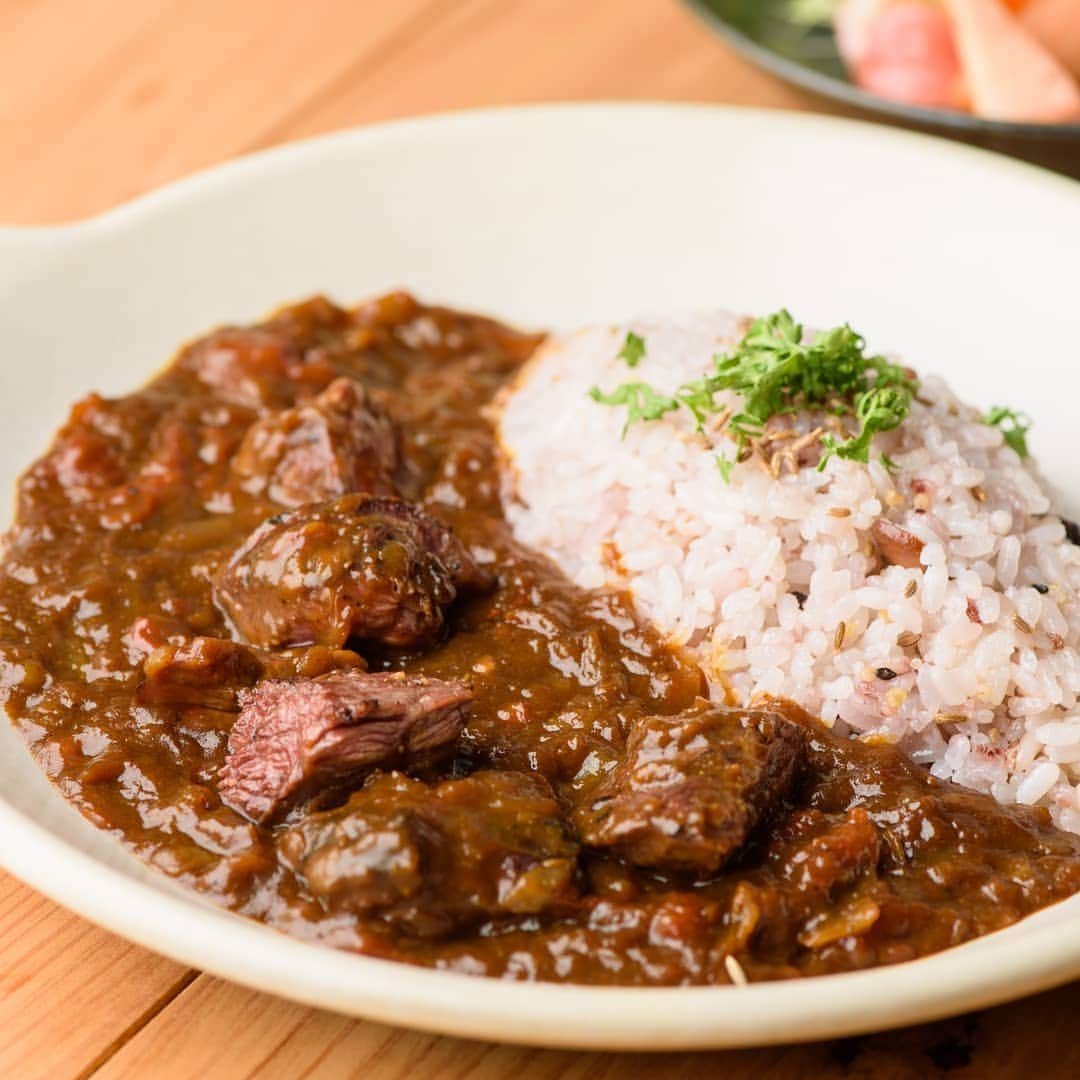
(808, 56)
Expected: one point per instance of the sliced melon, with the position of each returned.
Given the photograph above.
(1010, 74)
(1056, 23)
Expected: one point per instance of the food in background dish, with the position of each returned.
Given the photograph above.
(266, 621)
(1017, 60)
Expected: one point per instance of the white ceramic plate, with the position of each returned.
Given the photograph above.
(550, 216)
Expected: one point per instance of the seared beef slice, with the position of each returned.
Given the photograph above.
(301, 738)
(430, 860)
(334, 444)
(375, 569)
(692, 787)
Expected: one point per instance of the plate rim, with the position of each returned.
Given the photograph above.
(533, 1013)
(221, 173)
(565, 1015)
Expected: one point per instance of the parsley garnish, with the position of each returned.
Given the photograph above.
(775, 372)
(881, 408)
(633, 349)
(1014, 427)
(641, 400)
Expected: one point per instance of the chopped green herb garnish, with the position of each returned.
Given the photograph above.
(1014, 427)
(641, 400)
(881, 408)
(633, 349)
(776, 373)
(725, 465)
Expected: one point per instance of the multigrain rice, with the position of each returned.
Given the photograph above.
(774, 583)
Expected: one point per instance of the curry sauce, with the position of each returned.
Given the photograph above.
(564, 805)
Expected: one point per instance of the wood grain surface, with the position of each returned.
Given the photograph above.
(101, 101)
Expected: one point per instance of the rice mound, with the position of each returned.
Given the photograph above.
(756, 577)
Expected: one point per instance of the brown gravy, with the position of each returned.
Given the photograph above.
(120, 532)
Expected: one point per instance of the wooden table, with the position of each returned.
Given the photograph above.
(102, 101)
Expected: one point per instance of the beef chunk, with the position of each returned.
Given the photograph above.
(91, 453)
(823, 854)
(250, 368)
(273, 365)
(309, 738)
(430, 860)
(691, 787)
(375, 569)
(336, 443)
(188, 670)
(203, 671)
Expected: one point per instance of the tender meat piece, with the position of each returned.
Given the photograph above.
(302, 739)
(896, 544)
(248, 367)
(375, 569)
(919, 817)
(336, 443)
(188, 670)
(822, 854)
(273, 365)
(92, 452)
(203, 671)
(120, 461)
(692, 787)
(429, 860)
